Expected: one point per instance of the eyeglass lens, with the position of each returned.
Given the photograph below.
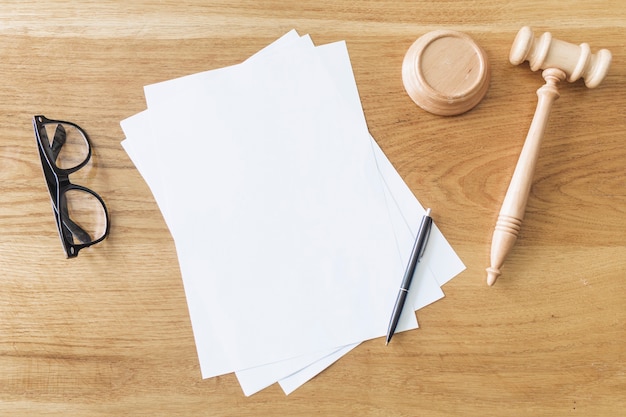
(83, 216)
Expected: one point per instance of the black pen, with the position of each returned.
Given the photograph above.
(416, 254)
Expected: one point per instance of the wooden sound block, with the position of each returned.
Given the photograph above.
(445, 72)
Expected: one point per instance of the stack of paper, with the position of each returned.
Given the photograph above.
(292, 229)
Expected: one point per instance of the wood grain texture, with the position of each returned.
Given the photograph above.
(108, 333)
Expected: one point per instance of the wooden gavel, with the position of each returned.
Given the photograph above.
(559, 60)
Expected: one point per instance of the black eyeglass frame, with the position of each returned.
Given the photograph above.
(58, 182)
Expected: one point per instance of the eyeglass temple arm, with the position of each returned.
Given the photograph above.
(71, 227)
(58, 141)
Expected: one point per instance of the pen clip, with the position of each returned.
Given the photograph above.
(424, 245)
(427, 218)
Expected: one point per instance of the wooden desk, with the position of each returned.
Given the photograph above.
(108, 333)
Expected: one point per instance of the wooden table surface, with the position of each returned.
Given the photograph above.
(108, 333)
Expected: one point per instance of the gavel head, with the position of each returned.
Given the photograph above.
(545, 52)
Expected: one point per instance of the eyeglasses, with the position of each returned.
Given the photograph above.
(81, 215)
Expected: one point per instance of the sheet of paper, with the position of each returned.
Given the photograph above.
(138, 127)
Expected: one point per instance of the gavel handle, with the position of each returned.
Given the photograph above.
(511, 214)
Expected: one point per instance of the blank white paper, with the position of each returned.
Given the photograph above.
(150, 150)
